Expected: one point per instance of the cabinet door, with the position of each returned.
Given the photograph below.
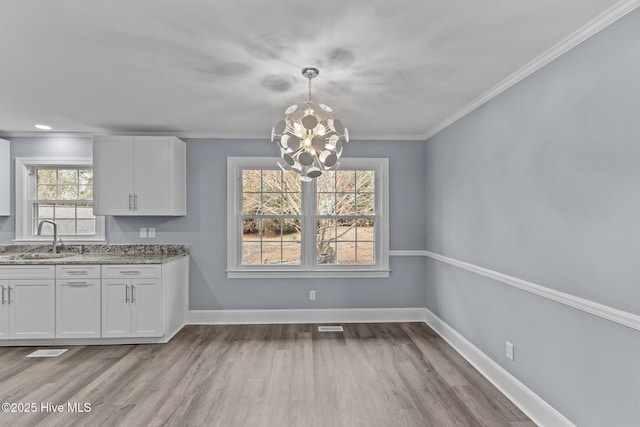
(78, 308)
(146, 308)
(116, 308)
(4, 310)
(113, 175)
(153, 175)
(32, 309)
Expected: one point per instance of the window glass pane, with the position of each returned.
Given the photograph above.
(251, 180)
(365, 253)
(325, 229)
(251, 229)
(325, 204)
(64, 211)
(85, 211)
(66, 226)
(47, 192)
(326, 252)
(46, 176)
(68, 176)
(86, 227)
(345, 181)
(291, 230)
(292, 203)
(365, 230)
(345, 203)
(291, 253)
(365, 203)
(251, 203)
(291, 182)
(271, 203)
(85, 192)
(251, 253)
(271, 253)
(85, 177)
(43, 211)
(346, 253)
(272, 229)
(68, 192)
(365, 181)
(325, 183)
(271, 180)
(346, 229)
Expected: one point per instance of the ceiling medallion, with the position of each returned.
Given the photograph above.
(309, 139)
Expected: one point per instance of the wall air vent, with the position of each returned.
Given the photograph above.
(330, 329)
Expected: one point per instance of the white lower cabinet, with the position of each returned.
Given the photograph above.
(28, 302)
(45, 303)
(131, 301)
(78, 301)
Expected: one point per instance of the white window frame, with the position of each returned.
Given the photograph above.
(24, 214)
(308, 267)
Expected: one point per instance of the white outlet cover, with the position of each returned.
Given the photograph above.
(312, 295)
(509, 350)
(152, 233)
(143, 233)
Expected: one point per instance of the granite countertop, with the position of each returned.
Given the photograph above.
(91, 254)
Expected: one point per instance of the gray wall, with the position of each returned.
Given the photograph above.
(543, 183)
(204, 228)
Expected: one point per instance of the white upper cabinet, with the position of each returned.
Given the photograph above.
(5, 167)
(139, 175)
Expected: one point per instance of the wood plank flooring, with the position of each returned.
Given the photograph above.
(399, 374)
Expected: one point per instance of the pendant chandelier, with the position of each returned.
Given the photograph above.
(309, 139)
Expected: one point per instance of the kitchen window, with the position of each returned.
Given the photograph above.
(333, 226)
(57, 190)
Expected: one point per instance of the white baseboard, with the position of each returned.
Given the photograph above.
(329, 315)
(530, 403)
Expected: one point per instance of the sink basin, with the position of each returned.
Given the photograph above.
(33, 256)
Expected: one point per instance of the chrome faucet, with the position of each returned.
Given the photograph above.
(56, 244)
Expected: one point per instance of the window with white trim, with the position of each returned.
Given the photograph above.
(333, 226)
(57, 190)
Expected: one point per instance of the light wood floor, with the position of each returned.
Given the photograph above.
(400, 374)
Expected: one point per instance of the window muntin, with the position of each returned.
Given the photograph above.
(63, 195)
(57, 189)
(271, 217)
(346, 211)
(346, 217)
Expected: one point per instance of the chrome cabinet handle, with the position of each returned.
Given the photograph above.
(129, 272)
(130, 201)
(9, 295)
(135, 202)
(2, 294)
(77, 273)
(133, 294)
(126, 294)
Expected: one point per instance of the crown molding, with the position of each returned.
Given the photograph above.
(606, 18)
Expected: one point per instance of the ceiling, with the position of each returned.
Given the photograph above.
(390, 70)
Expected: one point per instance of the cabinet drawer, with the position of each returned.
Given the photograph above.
(131, 270)
(75, 271)
(27, 272)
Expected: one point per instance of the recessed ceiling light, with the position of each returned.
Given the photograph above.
(42, 127)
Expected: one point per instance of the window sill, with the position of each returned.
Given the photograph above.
(314, 274)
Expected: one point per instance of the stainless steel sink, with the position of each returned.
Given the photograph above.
(33, 256)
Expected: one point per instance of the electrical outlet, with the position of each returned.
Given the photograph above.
(312, 295)
(152, 233)
(509, 350)
(143, 233)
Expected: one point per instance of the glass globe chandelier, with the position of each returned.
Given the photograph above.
(309, 139)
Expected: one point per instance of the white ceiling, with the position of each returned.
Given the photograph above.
(399, 69)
